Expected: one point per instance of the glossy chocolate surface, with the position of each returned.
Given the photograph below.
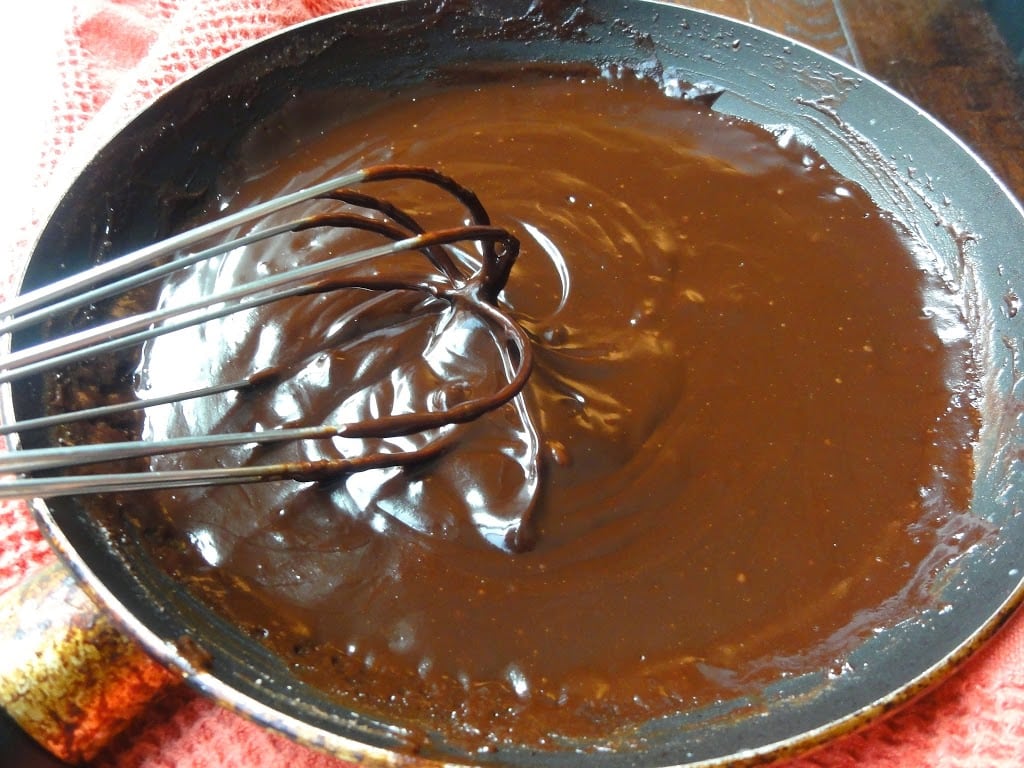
(743, 445)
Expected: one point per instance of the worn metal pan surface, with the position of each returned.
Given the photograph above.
(140, 185)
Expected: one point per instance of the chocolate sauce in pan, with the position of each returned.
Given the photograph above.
(733, 459)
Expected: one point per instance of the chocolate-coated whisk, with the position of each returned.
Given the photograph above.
(475, 290)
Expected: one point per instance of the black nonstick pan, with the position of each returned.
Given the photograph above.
(152, 176)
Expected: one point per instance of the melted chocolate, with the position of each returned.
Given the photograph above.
(735, 452)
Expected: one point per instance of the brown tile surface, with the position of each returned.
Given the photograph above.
(948, 57)
(945, 55)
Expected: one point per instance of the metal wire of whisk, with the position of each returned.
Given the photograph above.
(475, 288)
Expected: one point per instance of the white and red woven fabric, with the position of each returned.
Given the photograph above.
(79, 69)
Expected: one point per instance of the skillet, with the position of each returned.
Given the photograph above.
(146, 181)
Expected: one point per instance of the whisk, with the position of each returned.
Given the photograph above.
(474, 287)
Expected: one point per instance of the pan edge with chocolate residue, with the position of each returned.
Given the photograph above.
(691, 544)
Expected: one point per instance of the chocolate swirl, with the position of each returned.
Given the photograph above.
(741, 438)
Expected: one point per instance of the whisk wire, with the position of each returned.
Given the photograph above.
(475, 289)
(45, 297)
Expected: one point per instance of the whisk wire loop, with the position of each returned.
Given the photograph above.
(472, 287)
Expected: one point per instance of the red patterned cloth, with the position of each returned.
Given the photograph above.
(77, 71)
